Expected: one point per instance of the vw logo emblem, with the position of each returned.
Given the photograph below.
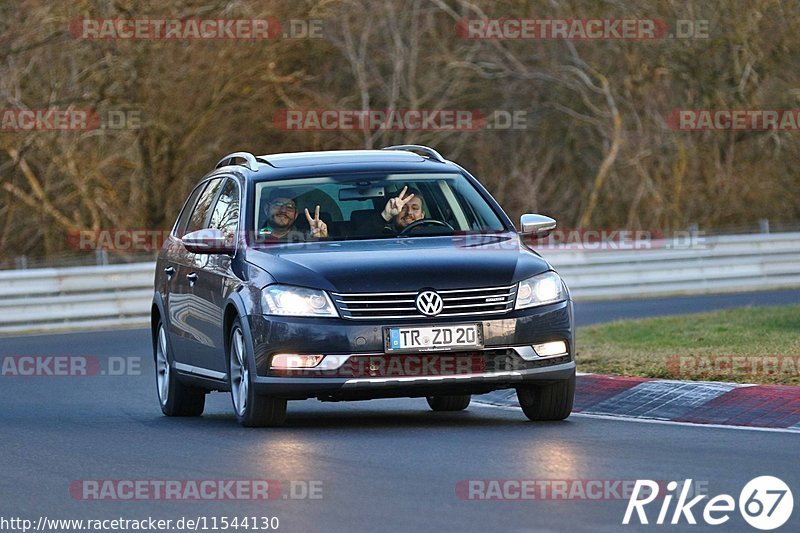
(429, 303)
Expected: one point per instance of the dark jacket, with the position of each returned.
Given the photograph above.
(376, 225)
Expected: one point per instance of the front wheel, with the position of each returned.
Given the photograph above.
(251, 409)
(547, 401)
(176, 399)
(449, 403)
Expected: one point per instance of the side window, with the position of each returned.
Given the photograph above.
(435, 202)
(225, 216)
(188, 207)
(198, 219)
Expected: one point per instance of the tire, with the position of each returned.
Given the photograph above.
(251, 409)
(175, 398)
(449, 403)
(549, 401)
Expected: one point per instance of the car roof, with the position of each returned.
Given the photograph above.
(333, 157)
(293, 165)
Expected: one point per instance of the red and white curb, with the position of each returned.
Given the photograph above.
(692, 402)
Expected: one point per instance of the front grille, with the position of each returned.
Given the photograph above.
(457, 302)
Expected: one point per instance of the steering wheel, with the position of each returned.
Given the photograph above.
(425, 222)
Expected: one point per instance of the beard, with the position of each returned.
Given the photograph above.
(279, 221)
(402, 222)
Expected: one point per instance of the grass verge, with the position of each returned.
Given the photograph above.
(745, 345)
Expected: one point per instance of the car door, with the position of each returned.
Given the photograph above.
(171, 258)
(216, 279)
(187, 313)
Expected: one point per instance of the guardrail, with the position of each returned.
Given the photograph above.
(51, 299)
(45, 299)
(716, 264)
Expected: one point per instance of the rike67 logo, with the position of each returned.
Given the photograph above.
(765, 503)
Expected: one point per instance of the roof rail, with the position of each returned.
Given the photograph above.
(430, 152)
(250, 160)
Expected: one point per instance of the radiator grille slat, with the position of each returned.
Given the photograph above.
(457, 302)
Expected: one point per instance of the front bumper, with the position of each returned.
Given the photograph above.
(507, 359)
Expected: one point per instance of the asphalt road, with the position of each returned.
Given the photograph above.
(592, 312)
(388, 465)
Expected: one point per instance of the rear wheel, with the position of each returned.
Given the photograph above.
(176, 399)
(449, 403)
(548, 401)
(251, 409)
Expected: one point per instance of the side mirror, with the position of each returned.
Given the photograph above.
(208, 241)
(536, 225)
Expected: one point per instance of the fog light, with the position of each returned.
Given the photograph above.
(293, 360)
(548, 349)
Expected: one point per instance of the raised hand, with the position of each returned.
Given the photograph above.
(318, 228)
(395, 205)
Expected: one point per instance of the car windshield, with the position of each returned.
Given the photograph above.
(370, 207)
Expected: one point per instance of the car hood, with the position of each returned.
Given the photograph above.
(401, 264)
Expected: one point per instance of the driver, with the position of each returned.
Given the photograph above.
(403, 210)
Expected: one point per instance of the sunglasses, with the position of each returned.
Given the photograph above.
(289, 206)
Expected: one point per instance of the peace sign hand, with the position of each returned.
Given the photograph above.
(395, 205)
(318, 228)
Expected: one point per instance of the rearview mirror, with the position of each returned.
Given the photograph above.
(536, 225)
(362, 193)
(208, 241)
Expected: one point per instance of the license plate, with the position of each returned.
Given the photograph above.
(433, 338)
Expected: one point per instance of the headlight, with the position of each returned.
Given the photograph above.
(298, 301)
(543, 289)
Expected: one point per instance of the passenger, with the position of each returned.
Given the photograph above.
(281, 213)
